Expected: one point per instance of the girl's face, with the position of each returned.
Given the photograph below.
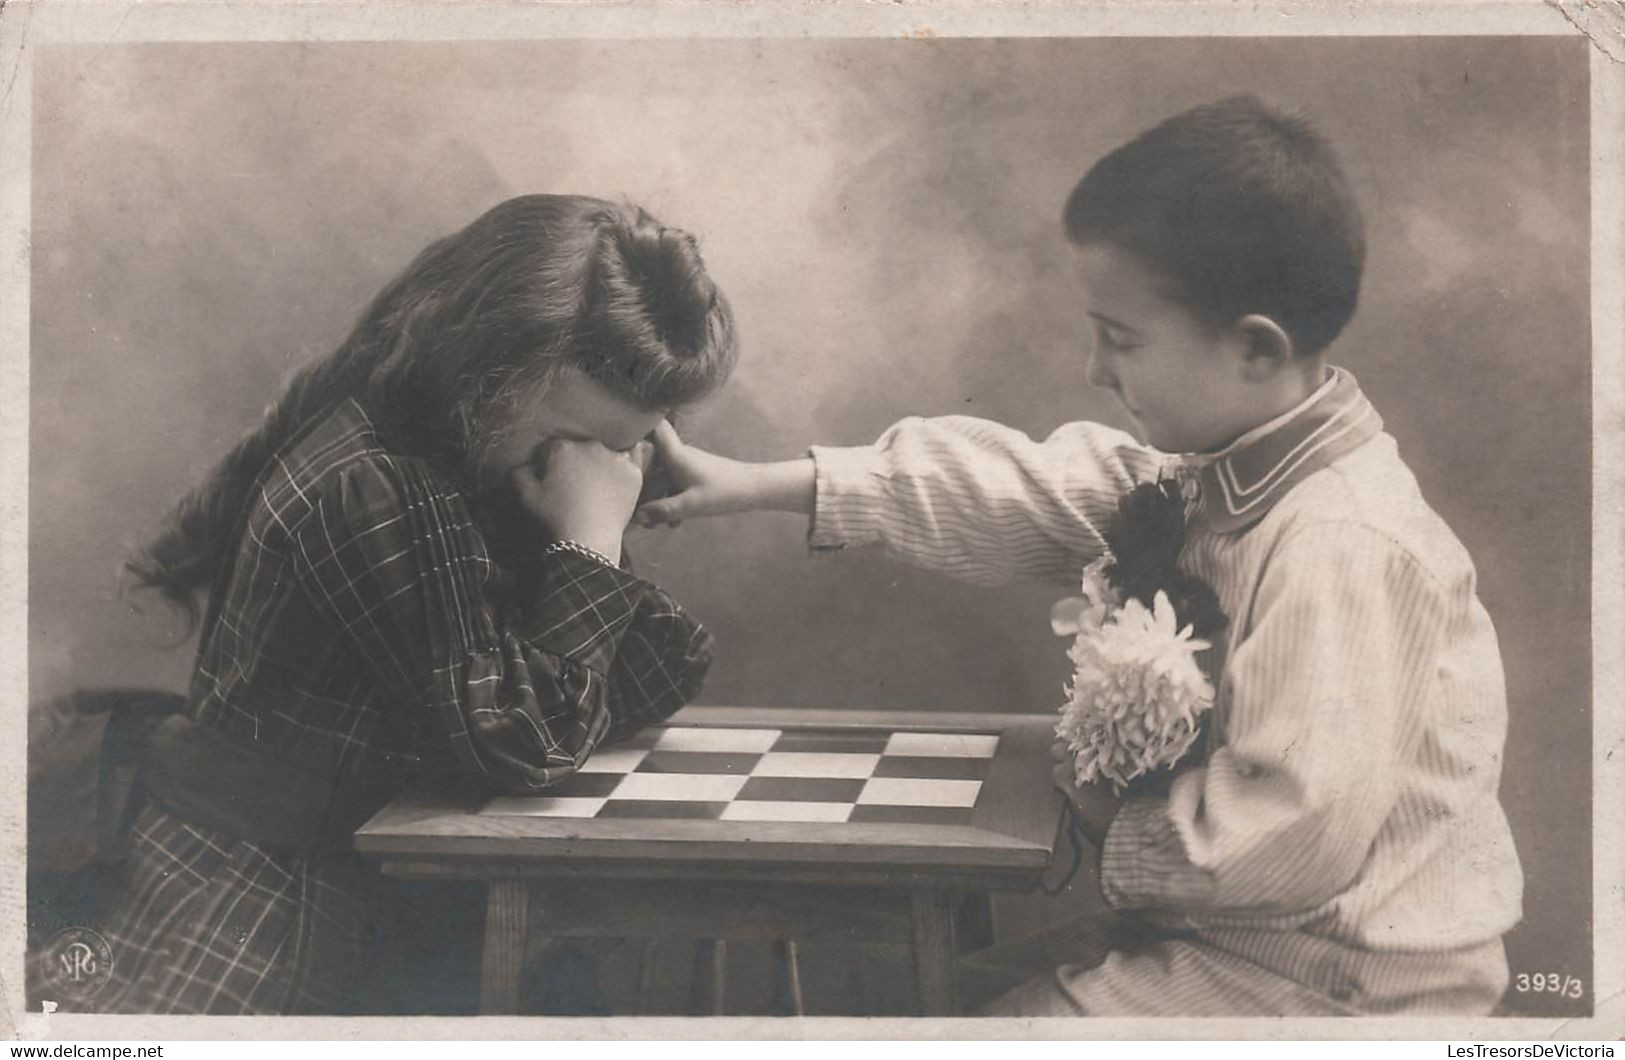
(570, 405)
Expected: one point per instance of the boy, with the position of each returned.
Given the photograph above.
(1341, 849)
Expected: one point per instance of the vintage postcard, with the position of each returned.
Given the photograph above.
(886, 520)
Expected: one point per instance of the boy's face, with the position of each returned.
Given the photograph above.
(1179, 378)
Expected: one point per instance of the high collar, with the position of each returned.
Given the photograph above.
(1245, 479)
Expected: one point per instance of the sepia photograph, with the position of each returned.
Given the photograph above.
(1008, 525)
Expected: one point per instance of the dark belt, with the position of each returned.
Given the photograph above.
(221, 785)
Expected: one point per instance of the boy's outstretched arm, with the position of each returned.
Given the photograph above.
(708, 484)
(967, 497)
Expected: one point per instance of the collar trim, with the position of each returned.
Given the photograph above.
(1244, 481)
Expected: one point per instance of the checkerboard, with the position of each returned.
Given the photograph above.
(739, 774)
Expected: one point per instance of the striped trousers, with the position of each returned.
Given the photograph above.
(1108, 965)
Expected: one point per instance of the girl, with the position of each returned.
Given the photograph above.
(408, 573)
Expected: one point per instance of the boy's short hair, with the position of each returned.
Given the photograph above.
(1243, 207)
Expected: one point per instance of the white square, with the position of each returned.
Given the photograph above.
(542, 806)
(942, 744)
(808, 764)
(679, 787)
(614, 760)
(808, 812)
(745, 741)
(913, 791)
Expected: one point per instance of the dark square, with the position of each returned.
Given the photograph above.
(667, 810)
(910, 815)
(801, 789)
(933, 768)
(697, 762)
(829, 741)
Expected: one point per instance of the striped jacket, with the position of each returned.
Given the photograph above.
(1343, 835)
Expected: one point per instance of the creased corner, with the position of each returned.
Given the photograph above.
(1602, 21)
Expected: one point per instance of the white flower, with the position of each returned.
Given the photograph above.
(1137, 695)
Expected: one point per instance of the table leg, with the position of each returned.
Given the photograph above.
(792, 959)
(787, 998)
(507, 922)
(933, 916)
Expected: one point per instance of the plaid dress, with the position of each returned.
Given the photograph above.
(370, 625)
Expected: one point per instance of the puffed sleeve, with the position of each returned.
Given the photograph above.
(390, 556)
(660, 666)
(977, 500)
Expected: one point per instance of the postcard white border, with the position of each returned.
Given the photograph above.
(29, 24)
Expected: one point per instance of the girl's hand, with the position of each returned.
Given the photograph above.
(707, 484)
(1094, 804)
(581, 491)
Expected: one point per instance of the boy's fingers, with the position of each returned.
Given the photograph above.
(667, 511)
(665, 438)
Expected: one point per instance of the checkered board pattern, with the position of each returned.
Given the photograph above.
(773, 775)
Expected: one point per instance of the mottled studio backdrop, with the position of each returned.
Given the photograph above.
(884, 216)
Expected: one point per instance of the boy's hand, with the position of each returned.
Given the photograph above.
(1094, 804)
(581, 491)
(707, 484)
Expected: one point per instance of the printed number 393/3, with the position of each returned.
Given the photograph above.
(1549, 983)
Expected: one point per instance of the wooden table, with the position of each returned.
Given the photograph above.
(732, 879)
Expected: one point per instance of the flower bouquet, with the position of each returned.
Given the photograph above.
(1138, 700)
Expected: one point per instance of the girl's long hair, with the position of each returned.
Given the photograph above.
(538, 283)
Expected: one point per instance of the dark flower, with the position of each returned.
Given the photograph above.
(1150, 531)
(1146, 544)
